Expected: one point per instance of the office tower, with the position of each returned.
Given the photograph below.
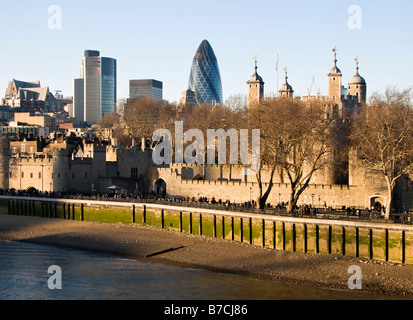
(98, 79)
(145, 89)
(79, 100)
(108, 87)
(205, 78)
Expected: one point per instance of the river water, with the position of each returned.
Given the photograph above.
(88, 276)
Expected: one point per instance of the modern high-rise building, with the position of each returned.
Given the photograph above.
(146, 89)
(205, 78)
(95, 90)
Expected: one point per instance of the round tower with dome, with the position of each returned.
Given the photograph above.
(357, 86)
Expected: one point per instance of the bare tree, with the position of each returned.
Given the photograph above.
(144, 116)
(296, 140)
(383, 134)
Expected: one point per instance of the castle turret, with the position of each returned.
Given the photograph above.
(286, 90)
(334, 80)
(357, 86)
(255, 88)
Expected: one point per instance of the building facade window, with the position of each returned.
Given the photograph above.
(134, 172)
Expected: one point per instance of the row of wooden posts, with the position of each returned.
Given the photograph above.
(49, 210)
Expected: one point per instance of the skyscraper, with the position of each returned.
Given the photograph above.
(205, 78)
(98, 83)
(145, 89)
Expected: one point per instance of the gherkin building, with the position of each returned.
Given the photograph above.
(205, 78)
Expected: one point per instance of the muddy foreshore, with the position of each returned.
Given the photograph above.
(148, 244)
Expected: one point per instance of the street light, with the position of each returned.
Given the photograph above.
(279, 203)
(312, 204)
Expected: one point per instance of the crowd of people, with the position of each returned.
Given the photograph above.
(301, 210)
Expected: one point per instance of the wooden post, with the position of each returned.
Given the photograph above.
(42, 209)
(64, 211)
(200, 224)
(8, 206)
(215, 226)
(162, 219)
(250, 226)
(371, 243)
(357, 242)
(329, 239)
(133, 214)
(73, 211)
(283, 235)
(190, 222)
(403, 246)
(223, 227)
(344, 241)
(263, 233)
(387, 244)
(274, 235)
(241, 229)
(82, 217)
(317, 238)
(55, 210)
(180, 221)
(144, 215)
(293, 237)
(305, 238)
(232, 229)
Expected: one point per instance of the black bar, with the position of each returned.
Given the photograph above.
(263, 233)
(190, 222)
(223, 227)
(357, 242)
(305, 238)
(250, 226)
(274, 235)
(232, 229)
(241, 228)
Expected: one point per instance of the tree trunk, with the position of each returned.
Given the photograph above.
(389, 201)
(293, 200)
(262, 198)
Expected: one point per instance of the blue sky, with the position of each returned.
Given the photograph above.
(158, 39)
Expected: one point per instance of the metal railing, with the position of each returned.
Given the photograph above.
(246, 207)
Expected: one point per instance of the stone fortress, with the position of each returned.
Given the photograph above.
(78, 165)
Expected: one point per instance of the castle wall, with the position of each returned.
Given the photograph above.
(333, 195)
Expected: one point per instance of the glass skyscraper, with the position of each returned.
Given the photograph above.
(108, 88)
(145, 88)
(205, 78)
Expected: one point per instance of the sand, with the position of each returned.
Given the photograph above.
(153, 245)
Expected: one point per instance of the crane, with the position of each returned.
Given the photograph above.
(313, 84)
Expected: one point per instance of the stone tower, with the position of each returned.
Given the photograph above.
(334, 81)
(255, 88)
(286, 91)
(357, 86)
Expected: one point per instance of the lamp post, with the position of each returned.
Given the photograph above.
(312, 204)
(279, 203)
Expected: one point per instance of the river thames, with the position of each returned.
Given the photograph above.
(89, 276)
